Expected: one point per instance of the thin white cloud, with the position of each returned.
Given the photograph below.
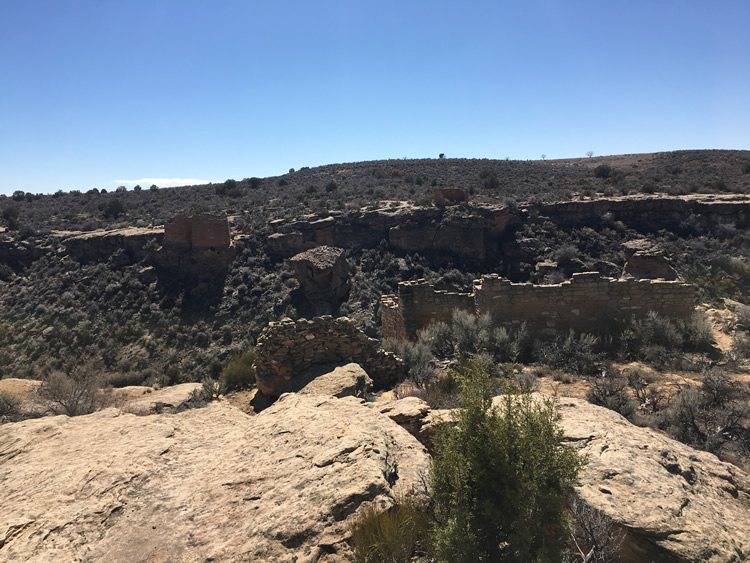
(161, 182)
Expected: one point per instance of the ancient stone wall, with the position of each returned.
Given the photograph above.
(210, 232)
(419, 305)
(178, 231)
(197, 247)
(287, 348)
(199, 232)
(586, 303)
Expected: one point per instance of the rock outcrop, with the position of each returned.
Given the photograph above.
(645, 260)
(467, 231)
(208, 484)
(410, 413)
(101, 244)
(19, 254)
(287, 348)
(345, 380)
(170, 399)
(651, 212)
(449, 196)
(323, 274)
(673, 501)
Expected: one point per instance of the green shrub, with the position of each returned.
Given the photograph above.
(566, 254)
(464, 332)
(439, 337)
(656, 337)
(610, 391)
(10, 214)
(489, 178)
(209, 390)
(10, 407)
(711, 415)
(468, 335)
(393, 535)
(113, 209)
(526, 381)
(239, 373)
(649, 396)
(500, 477)
(416, 355)
(571, 353)
(73, 391)
(603, 171)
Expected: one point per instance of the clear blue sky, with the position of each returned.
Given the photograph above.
(95, 93)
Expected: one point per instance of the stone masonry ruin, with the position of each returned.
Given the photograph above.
(197, 246)
(200, 232)
(287, 348)
(584, 303)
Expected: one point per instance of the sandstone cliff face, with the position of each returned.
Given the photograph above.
(206, 484)
(467, 231)
(99, 245)
(652, 212)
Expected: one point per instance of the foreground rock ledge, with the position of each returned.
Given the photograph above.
(675, 503)
(204, 484)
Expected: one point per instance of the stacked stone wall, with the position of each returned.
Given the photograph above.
(210, 231)
(420, 305)
(586, 303)
(287, 348)
(391, 319)
(199, 232)
(178, 231)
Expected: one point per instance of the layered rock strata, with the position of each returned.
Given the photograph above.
(208, 484)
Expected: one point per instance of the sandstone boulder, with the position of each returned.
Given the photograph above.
(169, 399)
(449, 196)
(410, 413)
(345, 380)
(323, 273)
(646, 261)
(206, 484)
(673, 501)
